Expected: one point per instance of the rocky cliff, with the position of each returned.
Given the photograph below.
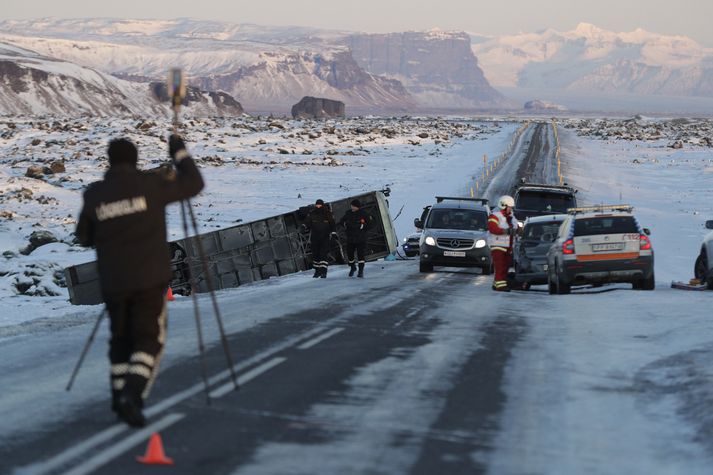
(279, 80)
(439, 68)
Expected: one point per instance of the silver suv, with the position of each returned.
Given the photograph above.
(455, 234)
(600, 244)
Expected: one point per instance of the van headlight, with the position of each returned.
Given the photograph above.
(480, 243)
(430, 241)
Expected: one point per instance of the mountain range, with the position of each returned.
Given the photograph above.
(590, 59)
(271, 68)
(104, 66)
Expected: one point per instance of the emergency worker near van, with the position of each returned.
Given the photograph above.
(124, 218)
(502, 229)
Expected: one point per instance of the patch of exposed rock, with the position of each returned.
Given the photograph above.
(318, 108)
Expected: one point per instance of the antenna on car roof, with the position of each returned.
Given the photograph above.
(440, 199)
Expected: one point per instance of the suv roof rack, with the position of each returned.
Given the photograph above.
(564, 186)
(601, 208)
(453, 198)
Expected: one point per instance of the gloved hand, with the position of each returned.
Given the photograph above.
(175, 144)
(512, 232)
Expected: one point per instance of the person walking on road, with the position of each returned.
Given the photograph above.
(502, 229)
(124, 218)
(357, 223)
(320, 222)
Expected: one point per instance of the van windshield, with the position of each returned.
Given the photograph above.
(539, 201)
(464, 219)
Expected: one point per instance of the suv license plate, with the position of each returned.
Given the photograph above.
(613, 246)
(454, 253)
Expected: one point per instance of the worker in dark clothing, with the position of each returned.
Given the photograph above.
(124, 217)
(357, 223)
(320, 222)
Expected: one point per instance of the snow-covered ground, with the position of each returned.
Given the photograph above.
(607, 380)
(253, 167)
(621, 381)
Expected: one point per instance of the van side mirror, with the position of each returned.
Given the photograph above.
(709, 224)
(647, 231)
(418, 223)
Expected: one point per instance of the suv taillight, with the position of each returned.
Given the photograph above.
(644, 243)
(568, 247)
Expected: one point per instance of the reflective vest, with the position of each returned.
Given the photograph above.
(498, 235)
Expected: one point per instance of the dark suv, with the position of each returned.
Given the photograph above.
(530, 251)
(533, 199)
(455, 234)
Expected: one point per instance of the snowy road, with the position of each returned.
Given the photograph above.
(401, 372)
(429, 374)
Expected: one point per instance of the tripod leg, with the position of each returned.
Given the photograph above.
(196, 312)
(209, 279)
(85, 350)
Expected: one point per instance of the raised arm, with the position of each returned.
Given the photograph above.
(188, 181)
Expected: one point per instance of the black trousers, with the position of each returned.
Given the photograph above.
(320, 250)
(360, 249)
(138, 333)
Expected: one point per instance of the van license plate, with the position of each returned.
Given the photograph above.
(454, 253)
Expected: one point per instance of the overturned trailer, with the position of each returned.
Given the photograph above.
(253, 251)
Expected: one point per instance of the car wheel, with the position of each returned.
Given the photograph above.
(425, 267)
(562, 288)
(551, 286)
(700, 270)
(487, 269)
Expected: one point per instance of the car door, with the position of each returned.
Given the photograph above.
(554, 254)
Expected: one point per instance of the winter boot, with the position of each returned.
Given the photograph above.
(324, 273)
(115, 400)
(316, 272)
(361, 270)
(352, 271)
(129, 410)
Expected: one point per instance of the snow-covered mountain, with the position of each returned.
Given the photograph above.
(34, 84)
(266, 68)
(590, 59)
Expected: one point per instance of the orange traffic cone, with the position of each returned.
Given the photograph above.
(154, 452)
(169, 295)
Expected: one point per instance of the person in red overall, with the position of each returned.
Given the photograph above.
(502, 228)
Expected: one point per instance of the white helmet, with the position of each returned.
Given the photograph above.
(506, 200)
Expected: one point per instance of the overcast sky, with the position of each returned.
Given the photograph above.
(493, 17)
